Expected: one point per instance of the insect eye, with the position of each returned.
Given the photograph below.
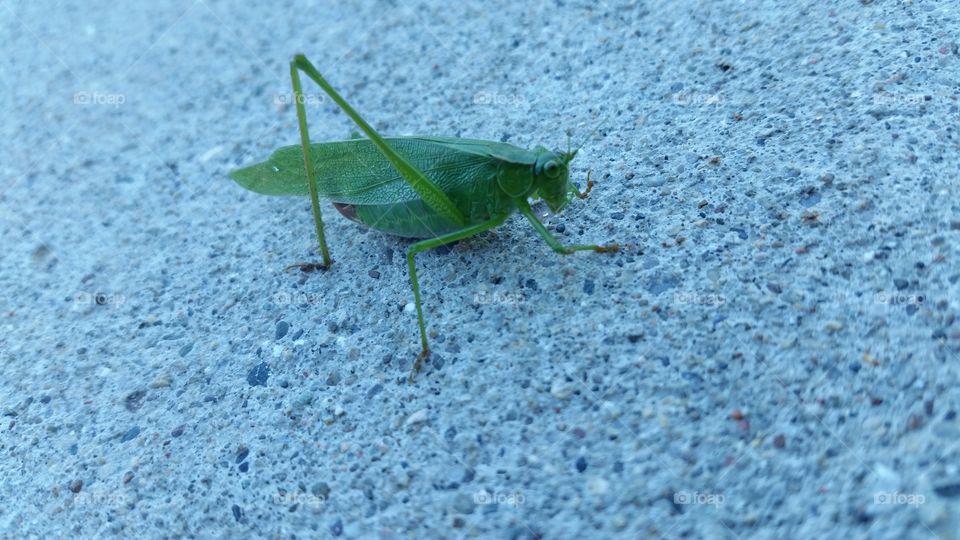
(552, 168)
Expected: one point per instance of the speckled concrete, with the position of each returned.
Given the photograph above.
(774, 355)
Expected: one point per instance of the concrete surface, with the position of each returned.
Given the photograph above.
(774, 354)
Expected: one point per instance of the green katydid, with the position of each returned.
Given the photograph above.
(436, 189)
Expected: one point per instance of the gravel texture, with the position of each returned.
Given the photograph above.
(774, 354)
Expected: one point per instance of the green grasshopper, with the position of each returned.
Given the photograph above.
(436, 189)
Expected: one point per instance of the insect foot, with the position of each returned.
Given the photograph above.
(584, 193)
(308, 267)
(416, 364)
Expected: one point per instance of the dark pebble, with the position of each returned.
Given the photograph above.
(135, 400)
(911, 309)
(296, 335)
(779, 441)
(76, 486)
(244, 467)
(282, 328)
(560, 228)
(458, 523)
(177, 431)
(130, 434)
(616, 215)
(321, 490)
(242, 454)
(588, 286)
(337, 528)
(775, 288)
(374, 274)
(259, 374)
(237, 513)
(901, 284)
(374, 390)
(949, 491)
(581, 464)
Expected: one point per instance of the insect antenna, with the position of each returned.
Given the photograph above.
(570, 155)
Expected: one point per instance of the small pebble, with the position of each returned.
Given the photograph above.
(321, 490)
(464, 503)
(416, 418)
(561, 389)
(779, 441)
(76, 486)
(135, 400)
(581, 464)
(950, 491)
(282, 328)
(162, 381)
(130, 434)
(259, 374)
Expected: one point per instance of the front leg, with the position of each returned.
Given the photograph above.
(555, 244)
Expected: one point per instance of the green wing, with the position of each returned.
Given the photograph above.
(356, 172)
